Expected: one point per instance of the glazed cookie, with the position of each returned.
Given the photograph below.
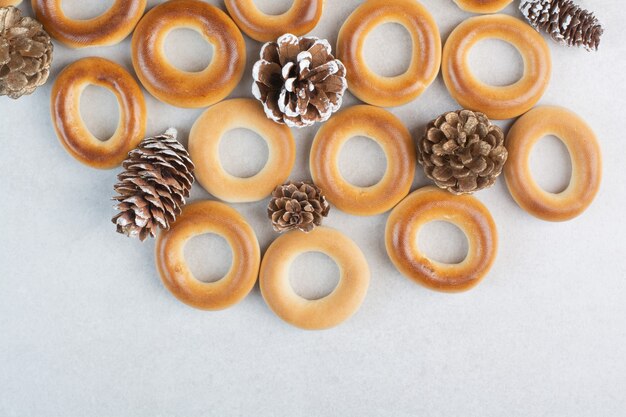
(584, 150)
(197, 219)
(426, 51)
(325, 312)
(182, 88)
(68, 122)
(109, 28)
(392, 136)
(495, 101)
(299, 20)
(204, 141)
(431, 204)
(482, 6)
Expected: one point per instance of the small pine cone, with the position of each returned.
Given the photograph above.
(25, 53)
(567, 23)
(462, 151)
(297, 205)
(157, 178)
(299, 81)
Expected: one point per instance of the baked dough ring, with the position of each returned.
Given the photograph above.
(299, 20)
(109, 28)
(482, 6)
(325, 312)
(5, 3)
(392, 136)
(585, 154)
(426, 51)
(204, 142)
(183, 88)
(68, 122)
(495, 101)
(466, 212)
(197, 219)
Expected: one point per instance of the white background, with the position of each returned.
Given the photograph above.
(87, 328)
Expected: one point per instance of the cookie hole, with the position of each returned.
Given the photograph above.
(443, 242)
(243, 153)
(551, 164)
(273, 7)
(85, 9)
(209, 246)
(187, 50)
(362, 161)
(313, 275)
(385, 50)
(496, 62)
(100, 111)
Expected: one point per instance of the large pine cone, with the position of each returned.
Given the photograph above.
(462, 151)
(25, 53)
(565, 22)
(157, 178)
(299, 81)
(297, 205)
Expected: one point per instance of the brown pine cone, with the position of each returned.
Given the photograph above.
(25, 53)
(565, 22)
(298, 80)
(462, 151)
(157, 178)
(297, 205)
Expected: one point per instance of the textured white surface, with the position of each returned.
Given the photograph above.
(87, 328)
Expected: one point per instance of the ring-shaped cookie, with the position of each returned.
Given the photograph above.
(197, 219)
(497, 102)
(183, 88)
(482, 6)
(394, 139)
(109, 28)
(585, 154)
(5, 3)
(325, 312)
(204, 142)
(68, 122)
(425, 55)
(431, 204)
(299, 20)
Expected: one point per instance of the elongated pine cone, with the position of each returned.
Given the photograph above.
(567, 23)
(299, 81)
(462, 151)
(25, 53)
(157, 178)
(297, 205)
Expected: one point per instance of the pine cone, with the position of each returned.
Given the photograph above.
(462, 151)
(25, 53)
(157, 178)
(299, 81)
(297, 205)
(567, 23)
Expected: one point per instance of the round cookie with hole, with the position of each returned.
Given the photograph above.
(204, 145)
(430, 204)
